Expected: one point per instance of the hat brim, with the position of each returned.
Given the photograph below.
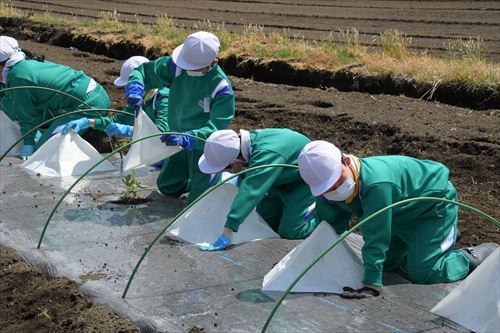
(321, 188)
(179, 60)
(119, 82)
(208, 168)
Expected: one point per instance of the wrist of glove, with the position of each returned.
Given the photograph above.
(116, 129)
(27, 151)
(184, 141)
(365, 292)
(134, 91)
(77, 125)
(220, 244)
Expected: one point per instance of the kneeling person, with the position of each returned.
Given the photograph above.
(279, 195)
(419, 235)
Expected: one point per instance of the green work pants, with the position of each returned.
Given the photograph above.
(180, 174)
(289, 211)
(425, 245)
(98, 98)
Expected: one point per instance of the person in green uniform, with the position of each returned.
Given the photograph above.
(155, 105)
(201, 101)
(279, 195)
(33, 106)
(418, 236)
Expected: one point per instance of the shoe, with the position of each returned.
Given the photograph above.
(477, 254)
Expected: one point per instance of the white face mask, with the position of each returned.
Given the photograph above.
(199, 73)
(195, 73)
(343, 192)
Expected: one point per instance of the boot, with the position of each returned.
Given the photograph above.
(477, 254)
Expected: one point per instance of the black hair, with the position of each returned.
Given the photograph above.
(343, 159)
(31, 56)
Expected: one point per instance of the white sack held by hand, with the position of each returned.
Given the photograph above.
(66, 155)
(148, 151)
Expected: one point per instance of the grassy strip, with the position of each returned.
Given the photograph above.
(464, 63)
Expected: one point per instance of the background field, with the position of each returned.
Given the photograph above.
(430, 24)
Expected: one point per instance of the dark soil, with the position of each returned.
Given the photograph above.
(32, 303)
(348, 79)
(131, 201)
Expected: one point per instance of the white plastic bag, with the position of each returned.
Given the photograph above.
(204, 222)
(475, 302)
(339, 268)
(149, 151)
(66, 155)
(9, 133)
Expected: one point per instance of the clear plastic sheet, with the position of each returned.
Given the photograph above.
(97, 242)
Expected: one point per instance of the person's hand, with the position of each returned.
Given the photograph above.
(134, 91)
(27, 151)
(365, 292)
(220, 244)
(116, 129)
(158, 165)
(184, 141)
(77, 125)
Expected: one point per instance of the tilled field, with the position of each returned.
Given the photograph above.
(430, 24)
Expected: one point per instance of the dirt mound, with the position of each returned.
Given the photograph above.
(32, 303)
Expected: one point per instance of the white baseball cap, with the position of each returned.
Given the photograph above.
(8, 47)
(197, 51)
(128, 66)
(222, 147)
(320, 164)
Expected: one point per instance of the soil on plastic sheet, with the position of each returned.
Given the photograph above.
(467, 141)
(32, 303)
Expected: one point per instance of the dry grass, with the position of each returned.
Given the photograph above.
(465, 60)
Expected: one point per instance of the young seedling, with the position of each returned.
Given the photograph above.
(132, 183)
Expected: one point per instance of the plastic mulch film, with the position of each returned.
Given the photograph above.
(97, 242)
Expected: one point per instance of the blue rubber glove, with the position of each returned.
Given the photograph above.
(134, 91)
(185, 142)
(77, 125)
(115, 129)
(27, 151)
(220, 244)
(158, 165)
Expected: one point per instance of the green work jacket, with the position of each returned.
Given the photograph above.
(33, 106)
(202, 104)
(268, 146)
(385, 180)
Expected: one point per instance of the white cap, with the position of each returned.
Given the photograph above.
(320, 164)
(8, 47)
(128, 66)
(222, 147)
(197, 51)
